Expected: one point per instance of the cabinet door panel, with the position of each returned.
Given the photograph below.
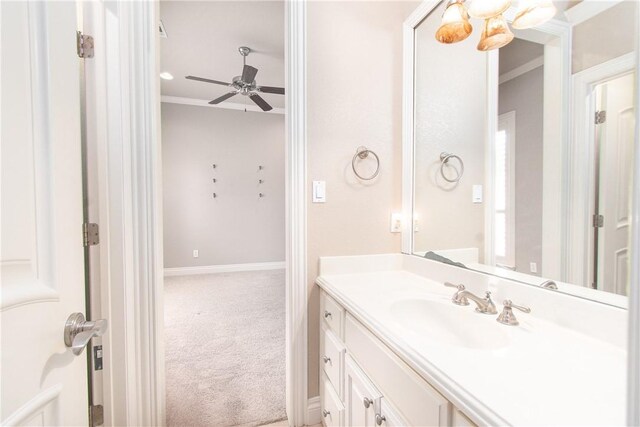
(358, 390)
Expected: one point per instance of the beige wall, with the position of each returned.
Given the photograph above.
(354, 98)
(524, 95)
(236, 227)
(450, 96)
(605, 36)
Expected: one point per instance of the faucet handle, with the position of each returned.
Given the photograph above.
(458, 298)
(451, 285)
(508, 303)
(507, 317)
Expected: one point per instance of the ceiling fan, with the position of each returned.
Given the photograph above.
(244, 84)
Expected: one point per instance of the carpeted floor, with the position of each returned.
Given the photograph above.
(225, 348)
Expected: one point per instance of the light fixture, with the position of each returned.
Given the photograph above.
(165, 75)
(455, 24)
(484, 9)
(532, 13)
(496, 33)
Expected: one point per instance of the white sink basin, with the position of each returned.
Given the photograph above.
(449, 324)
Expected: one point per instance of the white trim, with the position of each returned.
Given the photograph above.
(225, 105)
(587, 10)
(314, 416)
(296, 212)
(493, 93)
(408, 79)
(633, 371)
(223, 268)
(522, 69)
(580, 163)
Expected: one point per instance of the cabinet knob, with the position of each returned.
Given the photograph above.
(325, 413)
(327, 314)
(367, 402)
(326, 359)
(380, 419)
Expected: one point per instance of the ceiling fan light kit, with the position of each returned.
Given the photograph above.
(244, 84)
(496, 33)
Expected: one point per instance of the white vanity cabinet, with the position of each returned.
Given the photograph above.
(365, 384)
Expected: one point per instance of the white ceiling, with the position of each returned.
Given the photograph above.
(203, 40)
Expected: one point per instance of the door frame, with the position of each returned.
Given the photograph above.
(126, 135)
(582, 160)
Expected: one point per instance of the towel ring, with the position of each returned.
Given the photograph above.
(363, 153)
(444, 159)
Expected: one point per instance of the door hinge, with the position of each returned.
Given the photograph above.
(598, 221)
(90, 234)
(96, 415)
(84, 45)
(600, 117)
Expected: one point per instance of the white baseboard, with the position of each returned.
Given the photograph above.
(313, 411)
(228, 268)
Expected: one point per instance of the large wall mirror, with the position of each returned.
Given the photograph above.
(521, 157)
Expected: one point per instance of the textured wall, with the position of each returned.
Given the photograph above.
(237, 226)
(355, 98)
(450, 116)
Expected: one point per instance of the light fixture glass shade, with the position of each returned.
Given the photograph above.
(484, 9)
(496, 33)
(533, 12)
(455, 24)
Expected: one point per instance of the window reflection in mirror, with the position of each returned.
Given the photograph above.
(522, 156)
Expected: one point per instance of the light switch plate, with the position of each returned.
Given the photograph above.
(196, 253)
(477, 194)
(319, 192)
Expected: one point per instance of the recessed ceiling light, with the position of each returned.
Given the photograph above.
(166, 75)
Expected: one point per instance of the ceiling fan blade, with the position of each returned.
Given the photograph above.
(271, 89)
(223, 98)
(249, 74)
(201, 79)
(260, 102)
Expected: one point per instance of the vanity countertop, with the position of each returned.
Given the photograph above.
(542, 372)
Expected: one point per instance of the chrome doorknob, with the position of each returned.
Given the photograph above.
(380, 419)
(78, 331)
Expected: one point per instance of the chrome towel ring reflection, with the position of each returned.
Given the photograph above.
(362, 153)
(444, 160)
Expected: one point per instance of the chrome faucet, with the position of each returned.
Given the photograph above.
(462, 296)
(484, 305)
(457, 298)
(549, 284)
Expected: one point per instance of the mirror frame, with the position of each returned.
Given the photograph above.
(409, 26)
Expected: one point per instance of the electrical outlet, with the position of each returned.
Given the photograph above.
(396, 223)
(196, 253)
(533, 267)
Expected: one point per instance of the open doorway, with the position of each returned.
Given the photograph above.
(223, 159)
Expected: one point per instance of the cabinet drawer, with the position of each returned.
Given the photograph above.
(332, 359)
(332, 410)
(416, 401)
(332, 314)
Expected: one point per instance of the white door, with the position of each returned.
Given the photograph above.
(41, 253)
(361, 397)
(616, 154)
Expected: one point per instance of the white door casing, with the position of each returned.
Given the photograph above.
(41, 257)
